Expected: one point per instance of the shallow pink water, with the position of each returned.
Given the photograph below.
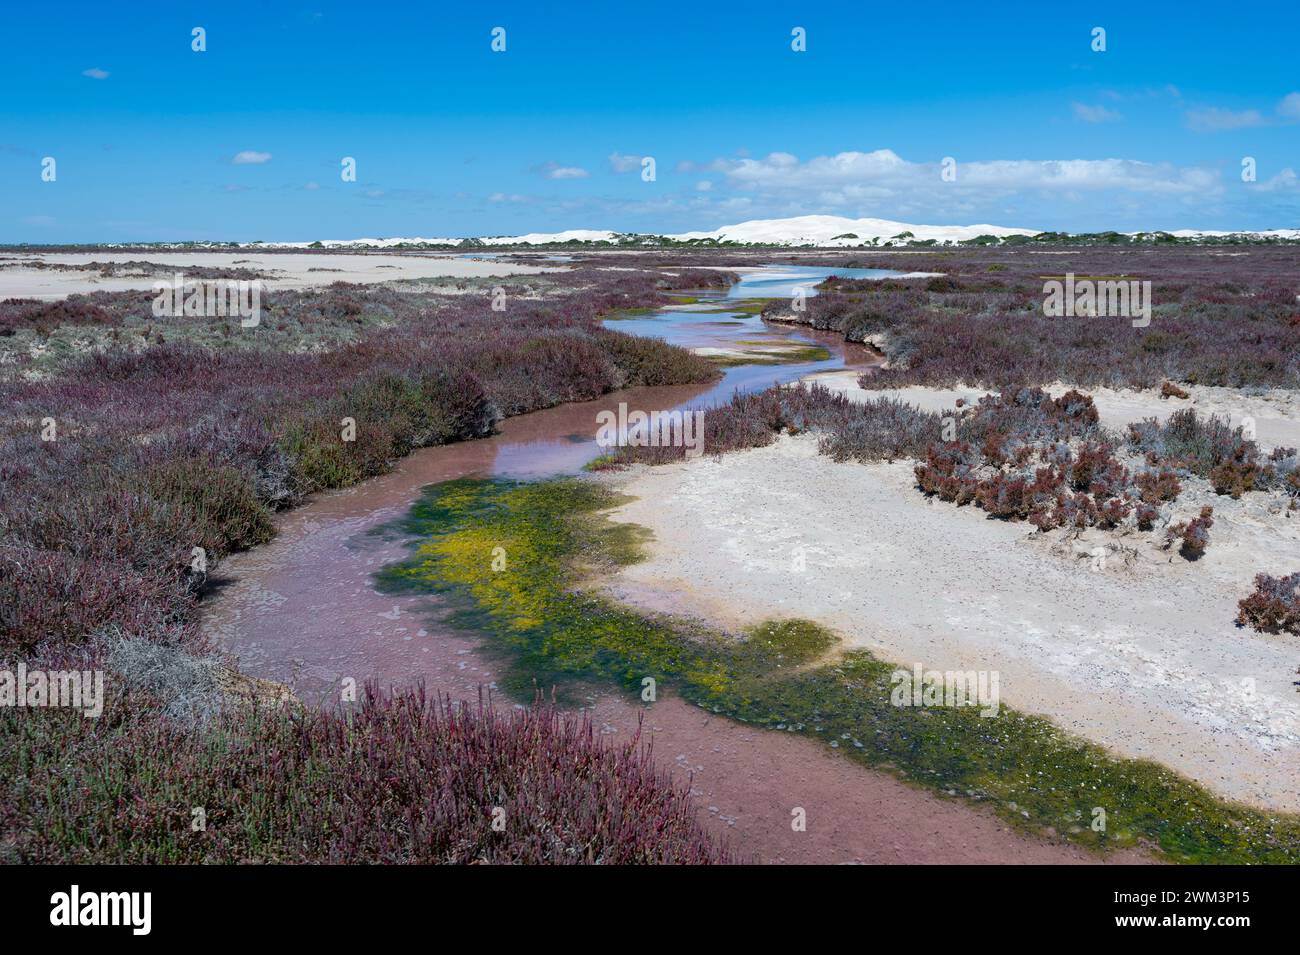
(304, 610)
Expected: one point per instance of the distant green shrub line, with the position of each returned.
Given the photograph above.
(787, 675)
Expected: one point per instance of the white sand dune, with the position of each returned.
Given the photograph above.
(822, 231)
(830, 231)
(815, 230)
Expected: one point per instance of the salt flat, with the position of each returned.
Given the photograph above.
(1139, 654)
(281, 270)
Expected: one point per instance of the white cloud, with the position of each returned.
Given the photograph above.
(1094, 114)
(1146, 93)
(95, 73)
(737, 204)
(250, 157)
(1289, 108)
(553, 170)
(785, 170)
(883, 173)
(1071, 193)
(1286, 179)
(1090, 174)
(1212, 119)
(621, 163)
(882, 184)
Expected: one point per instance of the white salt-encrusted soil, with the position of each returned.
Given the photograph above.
(1138, 652)
(1275, 412)
(281, 270)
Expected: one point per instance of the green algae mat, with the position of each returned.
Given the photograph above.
(518, 561)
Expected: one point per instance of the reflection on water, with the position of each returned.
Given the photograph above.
(711, 324)
(781, 281)
(490, 256)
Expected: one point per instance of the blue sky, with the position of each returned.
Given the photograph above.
(154, 141)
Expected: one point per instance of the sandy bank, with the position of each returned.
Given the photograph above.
(1139, 655)
(287, 270)
(1275, 412)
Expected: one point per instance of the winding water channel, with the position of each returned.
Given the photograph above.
(303, 610)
